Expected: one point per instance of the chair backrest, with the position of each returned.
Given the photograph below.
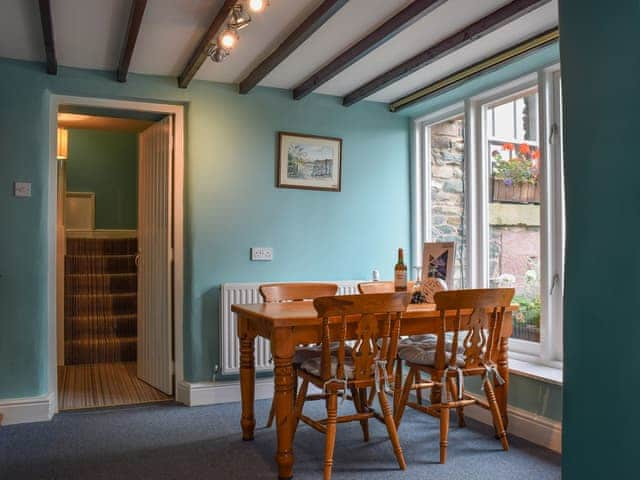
(291, 292)
(380, 287)
(377, 326)
(477, 312)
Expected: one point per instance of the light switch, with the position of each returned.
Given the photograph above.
(262, 254)
(21, 189)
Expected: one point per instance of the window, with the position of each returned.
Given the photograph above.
(513, 158)
(488, 175)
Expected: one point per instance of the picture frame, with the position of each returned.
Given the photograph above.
(309, 162)
(437, 261)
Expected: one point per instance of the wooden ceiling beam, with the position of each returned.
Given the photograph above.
(199, 55)
(47, 33)
(385, 32)
(135, 20)
(310, 24)
(472, 32)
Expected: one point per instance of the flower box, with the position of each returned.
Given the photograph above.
(515, 192)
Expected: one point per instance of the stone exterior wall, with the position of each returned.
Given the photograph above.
(447, 188)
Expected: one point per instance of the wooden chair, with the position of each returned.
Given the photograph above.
(479, 317)
(366, 288)
(295, 292)
(372, 318)
(381, 287)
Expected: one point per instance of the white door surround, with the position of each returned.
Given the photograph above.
(177, 111)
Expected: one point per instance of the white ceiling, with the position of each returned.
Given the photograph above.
(90, 34)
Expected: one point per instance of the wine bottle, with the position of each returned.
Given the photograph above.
(400, 277)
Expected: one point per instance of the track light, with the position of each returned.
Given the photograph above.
(238, 19)
(258, 5)
(228, 39)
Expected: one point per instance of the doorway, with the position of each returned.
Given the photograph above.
(118, 259)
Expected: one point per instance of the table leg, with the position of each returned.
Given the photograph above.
(247, 379)
(282, 349)
(502, 391)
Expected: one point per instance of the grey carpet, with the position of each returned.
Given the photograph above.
(169, 441)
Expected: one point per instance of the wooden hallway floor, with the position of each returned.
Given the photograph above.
(103, 385)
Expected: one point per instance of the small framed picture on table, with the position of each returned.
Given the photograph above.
(437, 261)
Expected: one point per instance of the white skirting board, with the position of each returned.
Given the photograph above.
(540, 430)
(210, 393)
(25, 410)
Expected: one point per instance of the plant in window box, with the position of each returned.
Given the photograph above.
(515, 179)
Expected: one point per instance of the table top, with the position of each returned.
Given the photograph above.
(296, 313)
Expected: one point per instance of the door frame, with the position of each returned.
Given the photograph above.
(178, 226)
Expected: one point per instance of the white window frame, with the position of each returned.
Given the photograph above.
(476, 176)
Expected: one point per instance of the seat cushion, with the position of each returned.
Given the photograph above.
(313, 366)
(428, 342)
(425, 356)
(306, 352)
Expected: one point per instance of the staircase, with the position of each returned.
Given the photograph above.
(100, 302)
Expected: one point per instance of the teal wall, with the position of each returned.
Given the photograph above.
(526, 393)
(601, 72)
(539, 397)
(230, 200)
(106, 163)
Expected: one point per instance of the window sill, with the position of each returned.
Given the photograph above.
(536, 371)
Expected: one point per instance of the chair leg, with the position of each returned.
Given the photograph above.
(359, 401)
(444, 432)
(391, 429)
(404, 397)
(397, 386)
(495, 413)
(372, 396)
(332, 412)
(300, 398)
(459, 410)
(418, 390)
(272, 414)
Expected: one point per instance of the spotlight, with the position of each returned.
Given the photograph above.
(257, 5)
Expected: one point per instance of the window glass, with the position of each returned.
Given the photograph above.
(514, 206)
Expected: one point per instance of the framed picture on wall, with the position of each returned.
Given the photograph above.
(309, 162)
(437, 261)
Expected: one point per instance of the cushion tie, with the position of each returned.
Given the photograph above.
(381, 365)
(344, 389)
(459, 381)
(491, 369)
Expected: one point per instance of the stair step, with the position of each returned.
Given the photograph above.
(83, 327)
(102, 246)
(79, 283)
(100, 350)
(99, 264)
(92, 304)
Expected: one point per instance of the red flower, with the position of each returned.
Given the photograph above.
(536, 154)
(524, 148)
(509, 146)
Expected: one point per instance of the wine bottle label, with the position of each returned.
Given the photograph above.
(401, 279)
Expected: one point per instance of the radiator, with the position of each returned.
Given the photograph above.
(243, 293)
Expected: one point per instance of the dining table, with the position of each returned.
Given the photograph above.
(290, 324)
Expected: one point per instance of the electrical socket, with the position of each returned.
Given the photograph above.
(261, 254)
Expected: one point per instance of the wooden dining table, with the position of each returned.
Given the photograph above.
(287, 325)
